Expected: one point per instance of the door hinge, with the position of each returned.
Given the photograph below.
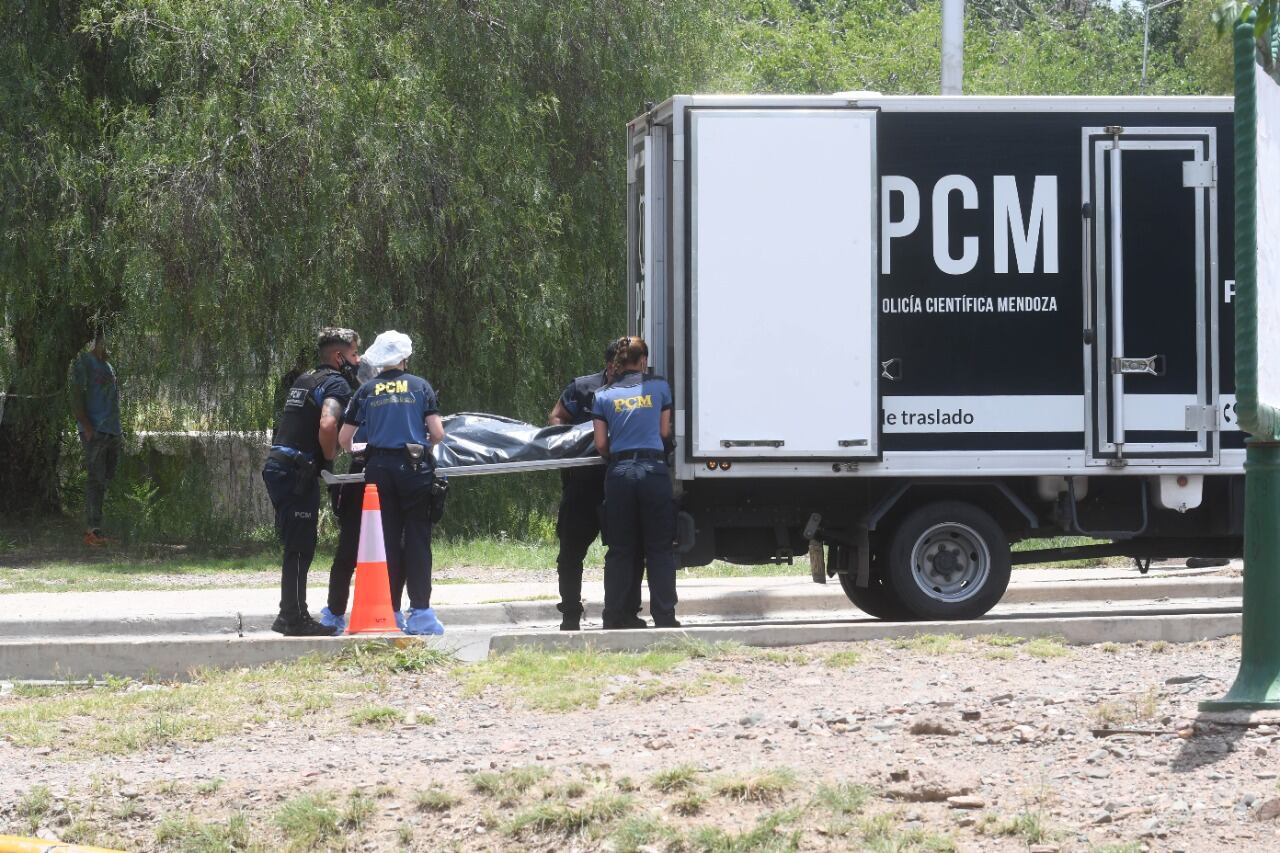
(1202, 418)
(1199, 173)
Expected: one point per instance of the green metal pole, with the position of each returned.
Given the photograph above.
(1257, 684)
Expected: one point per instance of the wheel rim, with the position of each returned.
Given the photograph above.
(950, 562)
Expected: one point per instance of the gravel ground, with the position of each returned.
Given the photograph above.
(966, 745)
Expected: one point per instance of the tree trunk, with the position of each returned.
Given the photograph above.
(36, 408)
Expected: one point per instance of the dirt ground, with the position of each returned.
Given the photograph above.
(933, 744)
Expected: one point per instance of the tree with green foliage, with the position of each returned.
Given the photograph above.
(215, 179)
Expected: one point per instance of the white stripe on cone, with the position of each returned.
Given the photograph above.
(372, 547)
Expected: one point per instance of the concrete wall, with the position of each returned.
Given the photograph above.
(227, 464)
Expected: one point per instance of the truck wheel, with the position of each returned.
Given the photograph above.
(948, 560)
(875, 600)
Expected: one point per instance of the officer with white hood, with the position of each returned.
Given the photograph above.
(399, 417)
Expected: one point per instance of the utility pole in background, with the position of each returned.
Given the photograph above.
(953, 47)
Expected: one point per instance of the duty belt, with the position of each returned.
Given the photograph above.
(637, 454)
(384, 451)
(296, 457)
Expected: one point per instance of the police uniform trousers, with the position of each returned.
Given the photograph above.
(404, 491)
(578, 523)
(640, 522)
(295, 495)
(348, 505)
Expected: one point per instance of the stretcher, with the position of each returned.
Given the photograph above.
(478, 444)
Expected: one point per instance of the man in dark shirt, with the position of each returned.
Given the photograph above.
(95, 399)
(305, 442)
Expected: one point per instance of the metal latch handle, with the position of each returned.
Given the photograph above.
(753, 442)
(1153, 365)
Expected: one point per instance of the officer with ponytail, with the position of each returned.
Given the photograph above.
(633, 426)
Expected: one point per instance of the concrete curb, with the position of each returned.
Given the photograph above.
(749, 604)
(170, 656)
(162, 657)
(1077, 630)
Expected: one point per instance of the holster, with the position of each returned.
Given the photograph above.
(415, 454)
(308, 470)
(439, 492)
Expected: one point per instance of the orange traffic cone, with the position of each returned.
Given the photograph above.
(371, 605)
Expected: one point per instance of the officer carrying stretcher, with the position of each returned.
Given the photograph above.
(401, 421)
(632, 417)
(304, 443)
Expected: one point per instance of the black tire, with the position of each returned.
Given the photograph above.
(948, 560)
(875, 600)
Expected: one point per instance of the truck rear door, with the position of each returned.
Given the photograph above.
(782, 254)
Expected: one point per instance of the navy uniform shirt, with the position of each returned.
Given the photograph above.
(578, 395)
(392, 408)
(632, 407)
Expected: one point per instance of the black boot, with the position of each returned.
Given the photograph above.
(625, 623)
(301, 625)
(571, 616)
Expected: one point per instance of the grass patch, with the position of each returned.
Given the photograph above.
(209, 786)
(564, 680)
(1159, 647)
(1122, 847)
(700, 685)
(882, 834)
(1111, 714)
(843, 798)
(188, 835)
(33, 806)
(435, 799)
(931, 644)
(682, 777)
(358, 811)
(1110, 648)
(689, 803)
(1067, 542)
(642, 833)
(842, 660)
(765, 787)
(82, 831)
(55, 561)
(508, 786)
(120, 718)
(1000, 640)
(1028, 826)
(570, 820)
(779, 656)
(999, 654)
(381, 716)
(769, 835)
(309, 821)
(391, 658)
(1047, 647)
